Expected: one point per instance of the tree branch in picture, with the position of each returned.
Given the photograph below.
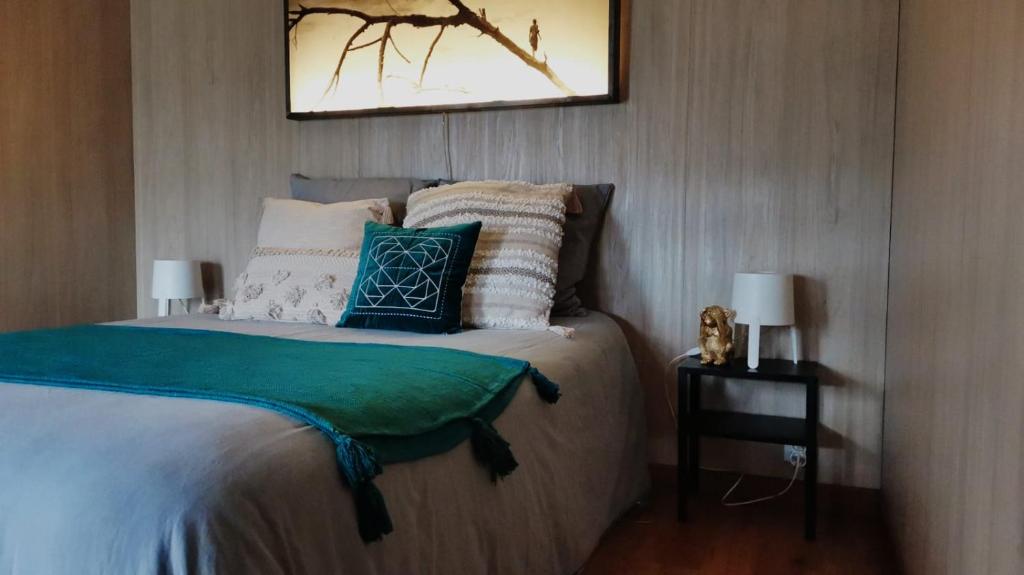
(336, 77)
(380, 57)
(394, 45)
(430, 52)
(463, 17)
(365, 44)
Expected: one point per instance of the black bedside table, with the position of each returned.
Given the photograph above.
(695, 422)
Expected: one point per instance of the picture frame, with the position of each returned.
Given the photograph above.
(524, 62)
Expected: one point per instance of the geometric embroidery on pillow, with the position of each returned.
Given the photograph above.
(405, 273)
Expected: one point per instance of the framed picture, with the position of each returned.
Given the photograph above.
(377, 57)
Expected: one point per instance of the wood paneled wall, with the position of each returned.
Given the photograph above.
(954, 434)
(757, 134)
(67, 249)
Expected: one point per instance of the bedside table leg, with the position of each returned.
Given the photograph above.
(693, 438)
(811, 473)
(811, 494)
(682, 455)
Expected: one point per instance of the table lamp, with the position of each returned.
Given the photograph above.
(764, 299)
(176, 279)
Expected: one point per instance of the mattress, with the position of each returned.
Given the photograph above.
(97, 482)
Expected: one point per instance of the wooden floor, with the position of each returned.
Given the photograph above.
(761, 539)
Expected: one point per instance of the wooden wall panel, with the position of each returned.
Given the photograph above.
(66, 195)
(954, 437)
(788, 169)
(756, 134)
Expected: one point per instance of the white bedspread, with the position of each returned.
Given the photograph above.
(96, 482)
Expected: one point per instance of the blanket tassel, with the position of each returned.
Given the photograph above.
(359, 466)
(491, 450)
(371, 512)
(548, 390)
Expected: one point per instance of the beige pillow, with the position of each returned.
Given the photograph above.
(511, 281)
(297, 224)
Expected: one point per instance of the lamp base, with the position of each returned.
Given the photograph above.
(163, 307)
(754, 345)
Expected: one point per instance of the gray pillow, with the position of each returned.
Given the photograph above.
(329, 190)
(581, 231)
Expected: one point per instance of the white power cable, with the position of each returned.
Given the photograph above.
(799, 464)
(668, 378)
(447, 132)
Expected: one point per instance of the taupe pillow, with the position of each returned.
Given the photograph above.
(309, 225)
(581, 231)
(331, 190)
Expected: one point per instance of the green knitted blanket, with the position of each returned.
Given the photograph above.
(378, 404)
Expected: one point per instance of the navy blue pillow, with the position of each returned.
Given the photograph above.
(411, 279)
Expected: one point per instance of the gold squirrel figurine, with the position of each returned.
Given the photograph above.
(715, 335)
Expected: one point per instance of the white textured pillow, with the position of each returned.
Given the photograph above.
(308, 225)
(294, 285)
(511, 281)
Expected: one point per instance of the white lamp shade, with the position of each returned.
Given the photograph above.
(177, 279)
(763, 298)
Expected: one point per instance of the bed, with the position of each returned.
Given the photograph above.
(97, 482)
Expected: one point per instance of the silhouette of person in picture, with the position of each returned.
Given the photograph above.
(534, 36)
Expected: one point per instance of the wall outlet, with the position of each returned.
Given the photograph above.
(794, 454)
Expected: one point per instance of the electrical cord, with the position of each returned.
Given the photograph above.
(668, 377)
(799, 464)
(446, 128)
(668, 396)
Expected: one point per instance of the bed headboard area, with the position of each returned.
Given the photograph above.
(755, 135)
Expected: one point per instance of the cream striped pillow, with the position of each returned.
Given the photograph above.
(511, 281)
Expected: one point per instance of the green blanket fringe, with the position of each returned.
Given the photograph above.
(358, 464)
(491, 450)
(548, 390)
(357, 461)
(371, 512)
